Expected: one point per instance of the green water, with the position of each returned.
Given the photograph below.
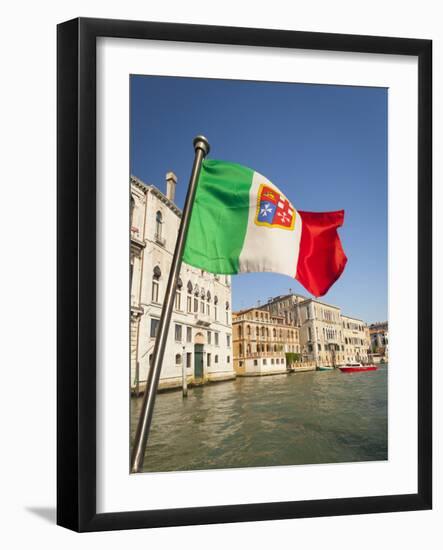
(305, 418)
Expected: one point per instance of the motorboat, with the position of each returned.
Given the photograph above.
(357, 367)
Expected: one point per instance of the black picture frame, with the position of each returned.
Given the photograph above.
(76, 265)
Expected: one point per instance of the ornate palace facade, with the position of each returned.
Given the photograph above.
(261, 341)
(327, 337)
(379, 334)
(200, 331)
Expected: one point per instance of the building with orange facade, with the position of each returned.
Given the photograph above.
(261, 342)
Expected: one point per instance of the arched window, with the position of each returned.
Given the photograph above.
(208, 303)
(189, 297)
(155, 284)
(240, 331)
(248, 330)
(249, 349)
(274, 333)
(202, 298)
(132, 210)
(240, 349)
(178, 294)
(257, 332)
(215, 307)
(263, 331)
(196, 294)
(158, 225)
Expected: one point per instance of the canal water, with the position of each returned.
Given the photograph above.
(305, 418)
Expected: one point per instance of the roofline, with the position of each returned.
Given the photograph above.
(139, 183)
(146, 188)
(319, 302)
(240, 311)
(355, 319)
(282, 297)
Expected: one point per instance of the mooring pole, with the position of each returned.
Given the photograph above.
(201, 147)
(184, 377)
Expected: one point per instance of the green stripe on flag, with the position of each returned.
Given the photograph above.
(219, 217)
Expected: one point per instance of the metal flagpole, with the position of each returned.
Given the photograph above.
(201, 147)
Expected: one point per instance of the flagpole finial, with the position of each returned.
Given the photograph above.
(200, 142)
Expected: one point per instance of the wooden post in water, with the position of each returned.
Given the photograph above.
(201, 149)
(184, 377)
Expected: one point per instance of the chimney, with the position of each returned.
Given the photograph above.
(171, 182)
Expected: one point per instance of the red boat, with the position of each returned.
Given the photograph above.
(357, 367)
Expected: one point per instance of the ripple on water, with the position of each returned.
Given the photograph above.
(305, 418)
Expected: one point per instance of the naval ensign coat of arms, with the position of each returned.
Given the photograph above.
(274, 209)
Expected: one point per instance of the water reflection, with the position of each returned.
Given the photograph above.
(305, 418)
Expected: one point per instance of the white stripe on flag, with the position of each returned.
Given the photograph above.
(269, 248)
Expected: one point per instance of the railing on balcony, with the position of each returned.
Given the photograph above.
(202, 319)
(136, 309)
(264, 354)
(136, 239)
(159, 239)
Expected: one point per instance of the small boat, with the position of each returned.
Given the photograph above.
(325, 368)
(357, 367)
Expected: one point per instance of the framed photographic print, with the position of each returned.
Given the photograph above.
(244, 274)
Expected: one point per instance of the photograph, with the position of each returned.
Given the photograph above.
(276, 349)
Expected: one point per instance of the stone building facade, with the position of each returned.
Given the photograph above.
(200, 334)
(356, 339)
(379, 335)
(327, 337)
(320, 333)
(286, 306)
(261, 341)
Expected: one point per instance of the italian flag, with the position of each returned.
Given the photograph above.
(242, 223)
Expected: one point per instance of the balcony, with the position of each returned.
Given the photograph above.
(135, 238)
(136, 309)
(159, 239)
(202, 320)
(262, 354)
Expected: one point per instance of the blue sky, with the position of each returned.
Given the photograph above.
(325, 147)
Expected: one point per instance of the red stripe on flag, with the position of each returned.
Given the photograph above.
(321, 259)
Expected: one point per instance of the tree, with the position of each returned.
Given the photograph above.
(292, 358)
